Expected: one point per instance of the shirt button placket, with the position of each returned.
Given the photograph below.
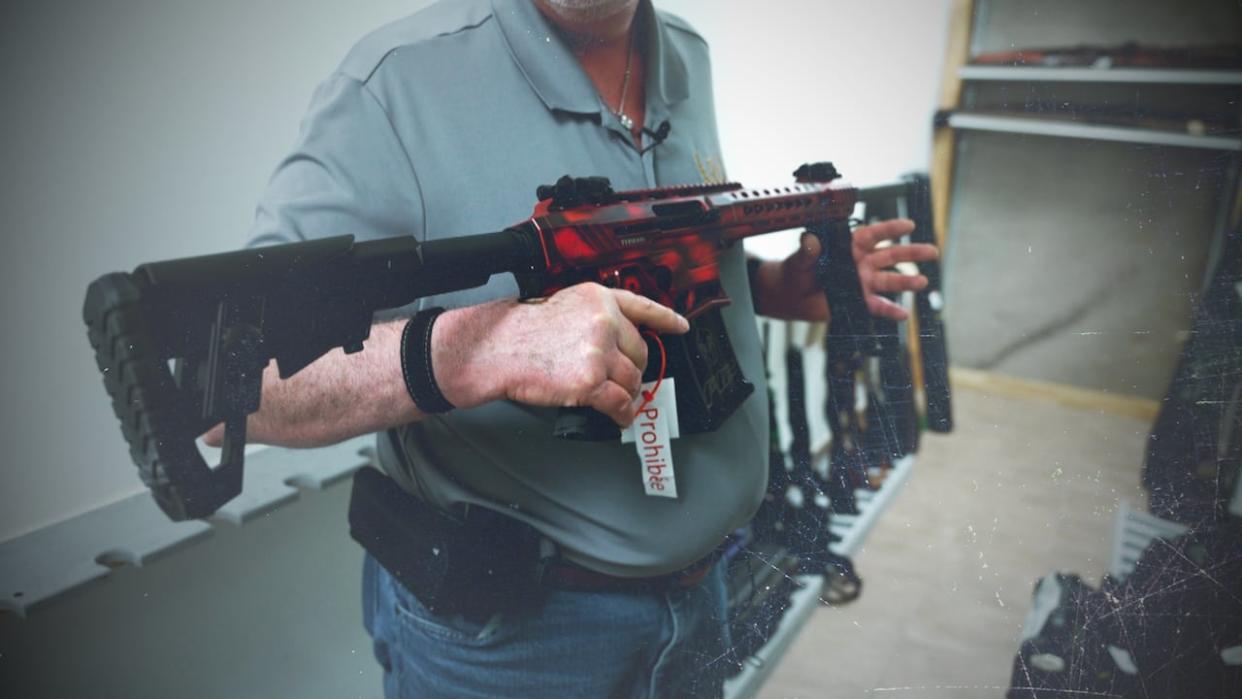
(648, 164)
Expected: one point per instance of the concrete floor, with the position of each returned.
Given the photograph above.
(1023, 487)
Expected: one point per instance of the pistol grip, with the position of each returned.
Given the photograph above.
(585, 425)
(838, 275)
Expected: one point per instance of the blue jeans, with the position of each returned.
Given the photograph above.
(579, 644)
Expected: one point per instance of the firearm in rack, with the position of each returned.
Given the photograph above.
(911, 198)
(182, 344)
(929, 306)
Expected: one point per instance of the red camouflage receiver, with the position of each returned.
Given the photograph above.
(664, 243)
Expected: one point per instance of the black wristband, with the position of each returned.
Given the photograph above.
(752, 274)
(420, 380)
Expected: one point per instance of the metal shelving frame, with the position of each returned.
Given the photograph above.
(853, 531)
(41, 566)
(1063, 128)
(966, 17)
(1174, 76)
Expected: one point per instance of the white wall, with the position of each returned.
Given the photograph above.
(137, 130)
(806, 80)
(134, 130)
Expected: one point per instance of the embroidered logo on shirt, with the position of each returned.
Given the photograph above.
(710, 169)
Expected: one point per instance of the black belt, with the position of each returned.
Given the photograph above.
(563, 575)
(479, 562)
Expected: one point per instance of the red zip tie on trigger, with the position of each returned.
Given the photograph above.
(649, 396)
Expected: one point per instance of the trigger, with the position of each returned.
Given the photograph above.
(702, 306)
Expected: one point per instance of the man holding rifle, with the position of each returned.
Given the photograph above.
(442, 125)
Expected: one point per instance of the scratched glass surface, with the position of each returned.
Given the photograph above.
(1076, 532)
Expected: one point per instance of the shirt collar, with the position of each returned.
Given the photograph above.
(554, 73)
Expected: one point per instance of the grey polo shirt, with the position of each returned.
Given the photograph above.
(443, 124)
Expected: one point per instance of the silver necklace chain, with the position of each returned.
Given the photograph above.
(624, 118)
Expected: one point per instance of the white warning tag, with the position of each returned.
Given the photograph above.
(652, 433)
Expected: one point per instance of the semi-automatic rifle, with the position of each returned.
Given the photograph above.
(182, 344)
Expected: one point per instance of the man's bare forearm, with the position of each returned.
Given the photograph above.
(337, 397)
(340, 396)
(579, 348)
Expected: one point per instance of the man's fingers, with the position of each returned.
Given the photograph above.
(890, 256)
(632, 345)
(644, 312)
(867, 237)
(916, 252)
(214, 437)
(893, 282)
(614, 401)
(623, 372)
(880, 306)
